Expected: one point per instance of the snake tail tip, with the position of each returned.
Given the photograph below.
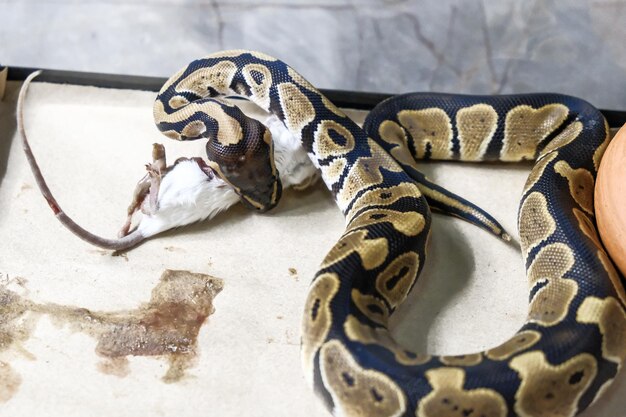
(506, 237)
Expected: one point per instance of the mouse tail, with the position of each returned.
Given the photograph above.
(122, 243)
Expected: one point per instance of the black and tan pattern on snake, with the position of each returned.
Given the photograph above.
(574, 339)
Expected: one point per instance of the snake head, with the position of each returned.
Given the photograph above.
(190, 190)
(171, 196)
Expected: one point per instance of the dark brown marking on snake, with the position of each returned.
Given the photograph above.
(166, 327)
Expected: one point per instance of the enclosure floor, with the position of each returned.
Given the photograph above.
(92, 144)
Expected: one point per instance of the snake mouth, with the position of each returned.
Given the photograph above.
(170, 196)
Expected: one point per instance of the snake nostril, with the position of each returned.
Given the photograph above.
(348, 379)
(376, 395)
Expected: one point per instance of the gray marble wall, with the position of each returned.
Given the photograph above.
(466, 46)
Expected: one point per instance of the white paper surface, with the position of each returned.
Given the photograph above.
(91, 144)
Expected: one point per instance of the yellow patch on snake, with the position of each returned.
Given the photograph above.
(476, 125)
(409, 223)
(383, 197)
(194, 129)
(396, 280)
(365, 173)
(610, 317)
(267, 138)
(551, 303)
(429, 127)
(462, 360)
(597, 155)
(332, 139)
(255, 203)
(229, 131)
(368, 335)
(551, 262)
(159, 114)
(356, 391)
(568, 134)
(587, 227)
(449, 399)
(218, 77)
(391, 132)
(260, 90)
(613, 275)
(427, 245)
(317, 319)
(372, 252)
(521, 341)
(177, 102)
(372, 307)
(300, 80)
(551, 390)
(535, 222)
(172, 134)
(296, 107)
(333, 171)
(580, 184)
(525, 128)
(538, 170)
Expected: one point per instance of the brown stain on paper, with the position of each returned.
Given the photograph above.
(15, 329)
(10, 382)
(293, 272)
(25, 187)
(166, 327)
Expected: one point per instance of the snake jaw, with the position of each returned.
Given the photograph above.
(172, 196)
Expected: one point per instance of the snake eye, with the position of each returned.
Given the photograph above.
(576, 377)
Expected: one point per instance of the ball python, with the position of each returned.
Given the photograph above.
(574, 339)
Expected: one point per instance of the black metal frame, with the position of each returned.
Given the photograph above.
(342, 98)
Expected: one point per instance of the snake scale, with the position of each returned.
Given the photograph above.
(574, 339)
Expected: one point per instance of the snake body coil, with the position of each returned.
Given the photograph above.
(574, 339)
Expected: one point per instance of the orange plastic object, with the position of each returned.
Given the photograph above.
(610, 199)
